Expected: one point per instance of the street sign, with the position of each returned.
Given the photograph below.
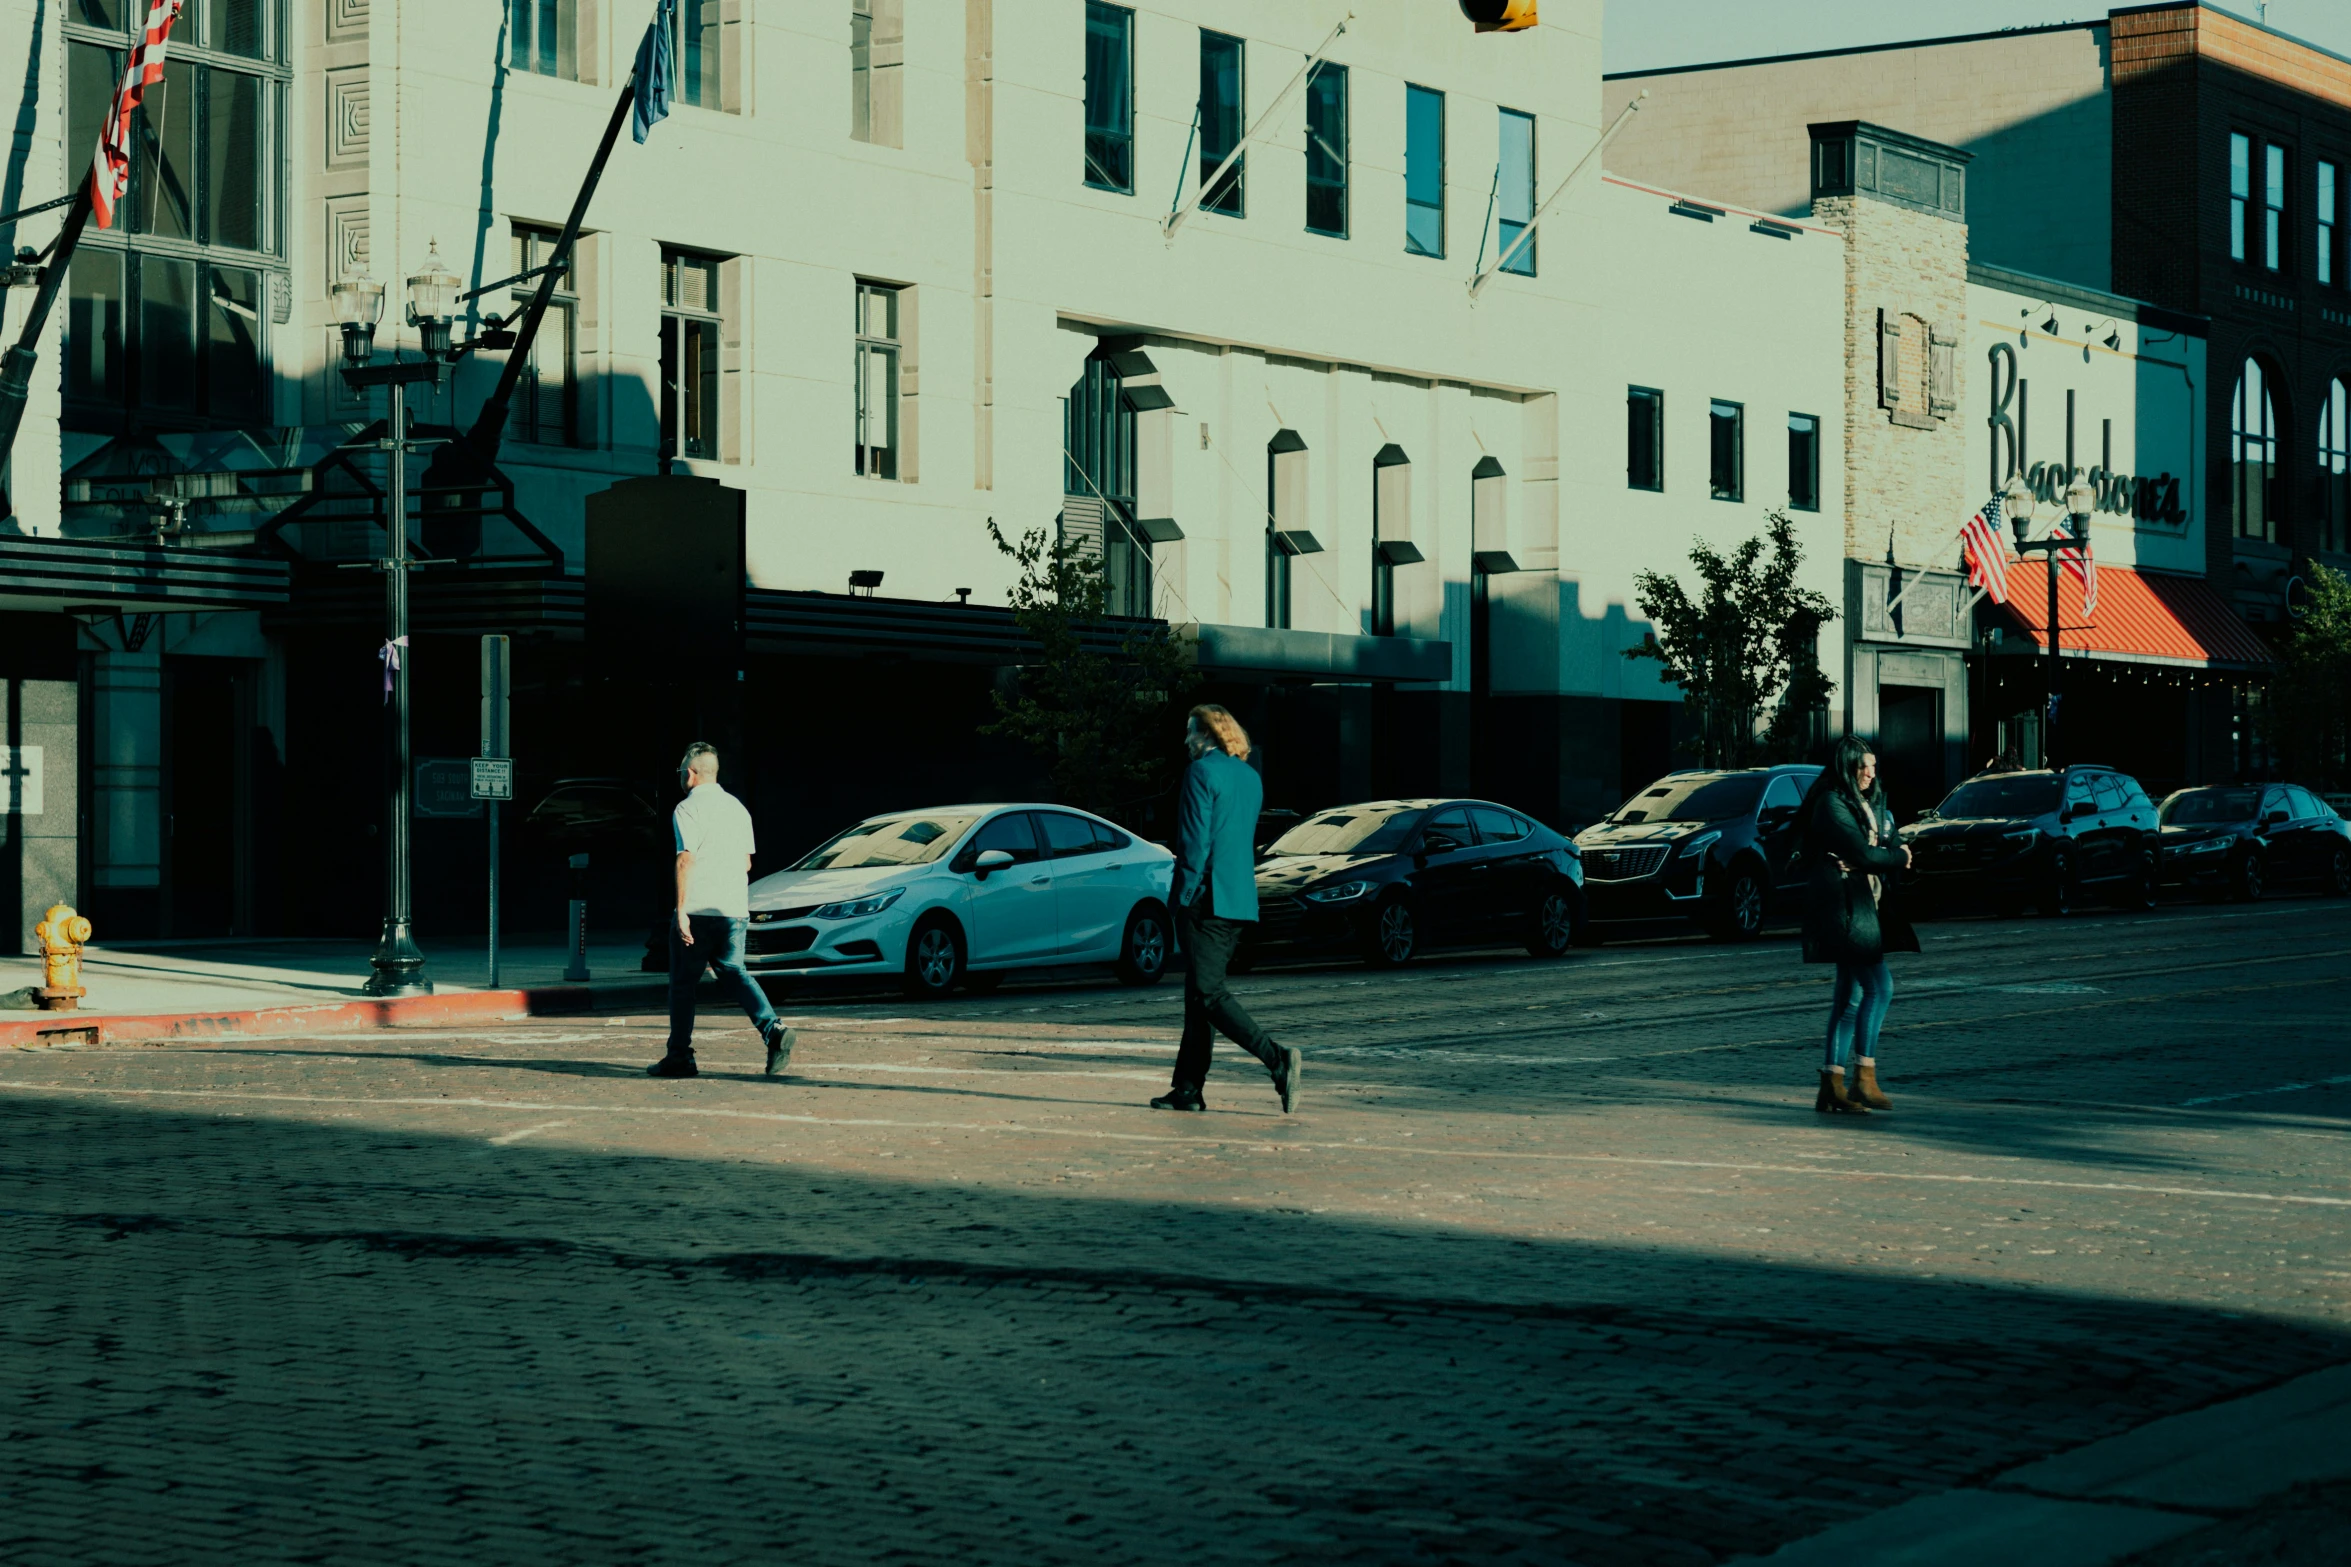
(493, 778)
(443, 788)
(497, 683)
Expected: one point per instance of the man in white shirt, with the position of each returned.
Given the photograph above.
(715, 844)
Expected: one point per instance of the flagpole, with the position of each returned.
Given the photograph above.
(16, 369)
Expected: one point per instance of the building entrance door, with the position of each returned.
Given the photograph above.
(1910, 747)
(203, 823)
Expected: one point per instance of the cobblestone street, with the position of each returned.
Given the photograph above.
(1554, 1264)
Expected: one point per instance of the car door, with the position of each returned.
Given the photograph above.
(2078, 820)
(1775, 833)
(1009, 916)
(1089, 889)
(1514, 873)
(2115, 832)
(2274, 821)
(2302, 832)
(1446, 871)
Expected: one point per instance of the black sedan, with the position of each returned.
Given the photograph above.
(1388, 878)
(2040, 836)
(2242, 839)
(1713, 847)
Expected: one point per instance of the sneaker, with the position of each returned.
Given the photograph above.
(1289, 1065)
(674, 1065)
(780, 1040)
(1180, 1099)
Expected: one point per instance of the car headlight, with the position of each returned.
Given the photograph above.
(2024, 839)
(1699, 844)
(2200, 846)
(858, 908)
(1338, 892)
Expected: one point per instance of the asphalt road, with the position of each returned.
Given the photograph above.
(1555, 1264)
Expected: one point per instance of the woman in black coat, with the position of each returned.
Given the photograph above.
(1851, 918)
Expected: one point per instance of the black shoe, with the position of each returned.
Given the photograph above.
(675, 1064)
(1180, 1099)
(1289, 1065)
(779, 1047)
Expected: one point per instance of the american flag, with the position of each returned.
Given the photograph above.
(110, 171)
(1987, 557)
(2078, 565)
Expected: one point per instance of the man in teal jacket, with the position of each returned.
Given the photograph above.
(1215, 898)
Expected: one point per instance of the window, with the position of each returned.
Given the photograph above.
(2330, 262)
(2273, 206)
(2240, 191)
(1010, 832)
(1424, 171)
(1098, 483)
(1515, 190)
(700, 68)
(1110, 97)
(546, 408)
(2253, 455)
(2304, 804)
(1285, 519)
(1447, 829)
(1783, 792)
(168, 311)
(1067, 836)
(1391, 533)
(1644, 447)
(1726, 462)
(1221, 105)
(1326, 150)
(1496, 825)
(878, 352)
(877, 52)
(1804, 462)
(2334, 469)
(2106, 789)
(542, 37)
(689, 354)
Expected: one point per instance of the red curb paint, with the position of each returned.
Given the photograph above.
(472, 1006)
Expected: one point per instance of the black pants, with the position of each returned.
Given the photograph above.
(718, 945)
(1208, 948)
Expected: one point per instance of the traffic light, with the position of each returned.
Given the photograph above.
(1499, 16)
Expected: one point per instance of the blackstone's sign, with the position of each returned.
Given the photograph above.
(2151, 498)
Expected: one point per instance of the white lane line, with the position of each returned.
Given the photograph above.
(1250, 1140)
(505, 1138)
(812, 1068)
(2256, 1093)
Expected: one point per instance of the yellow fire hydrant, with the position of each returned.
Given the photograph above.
(62, 933)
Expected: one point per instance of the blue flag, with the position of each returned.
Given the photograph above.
(656, 70)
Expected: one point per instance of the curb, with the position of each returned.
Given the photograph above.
(469, 1006)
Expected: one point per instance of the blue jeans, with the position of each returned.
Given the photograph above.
(1857, 1010)
(718, 944)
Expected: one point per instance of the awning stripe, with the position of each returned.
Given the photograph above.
(2141, 616)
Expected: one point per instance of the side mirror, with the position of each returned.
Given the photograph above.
(2274, 819)
(991, 860)
(1438, 843)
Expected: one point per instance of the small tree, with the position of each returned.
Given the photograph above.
(1109, 726)
(2308, 711)
(1746, 647)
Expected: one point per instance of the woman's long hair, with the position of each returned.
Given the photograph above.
(1212, 728)
(1836, 777)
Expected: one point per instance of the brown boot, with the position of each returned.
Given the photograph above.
(1833, 1099)
(1865, 1084)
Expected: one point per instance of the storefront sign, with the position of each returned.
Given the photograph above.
(2147, 498)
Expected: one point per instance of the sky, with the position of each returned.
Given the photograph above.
(1641, 35)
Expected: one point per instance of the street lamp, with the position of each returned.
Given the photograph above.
(2080, 501)
(397, 967)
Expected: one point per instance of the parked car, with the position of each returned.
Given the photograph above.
(1390, 878)
(1712, 847)
(965, 894)
(2042, 837)
(2243, 839)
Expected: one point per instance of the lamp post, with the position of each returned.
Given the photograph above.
(397, 967)
(2080, 501)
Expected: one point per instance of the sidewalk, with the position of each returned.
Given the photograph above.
(171, 989)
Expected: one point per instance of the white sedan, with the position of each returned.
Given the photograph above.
(964, 894)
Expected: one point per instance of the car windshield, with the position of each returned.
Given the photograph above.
(1692, 800)
(1359, 830)
(2028, 795)
(894, 840)
(2196, 807)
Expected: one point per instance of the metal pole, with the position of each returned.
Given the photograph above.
(493, 804)
(1477, 284)
(16, 367)
(1175, 220)
(2056, 672)
(398, 966)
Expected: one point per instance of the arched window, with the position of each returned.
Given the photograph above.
(2334, 469)
(2253, 456)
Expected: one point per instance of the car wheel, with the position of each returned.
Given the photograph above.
(934, 959)
(1739, 917)
(2339, 875)
(2058, 893)
(1395, 935)
(982, 983)
(2248, 884)
(1554, 929)
(2138, 890)
(1142, 952)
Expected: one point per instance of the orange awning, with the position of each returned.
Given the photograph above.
(2150, 619)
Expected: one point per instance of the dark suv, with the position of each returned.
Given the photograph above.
(2042, 837)
(1713, 847)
